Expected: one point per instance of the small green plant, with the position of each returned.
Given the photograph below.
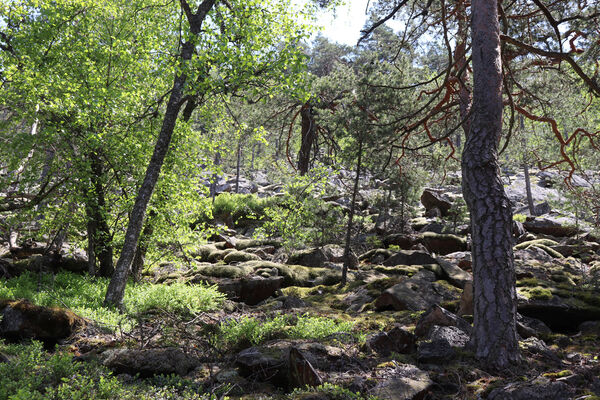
(300, 217)
(332, 392)
(84, 295)
(520, 218)
(33, 374)
(246, 331)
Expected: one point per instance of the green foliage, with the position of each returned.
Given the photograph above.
(301, 217)
(237, 208)
(84, 295)
(239, 333)
(331, 392)
(33, 374)
(519, 217)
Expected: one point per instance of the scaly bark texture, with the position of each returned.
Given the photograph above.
(494, 334)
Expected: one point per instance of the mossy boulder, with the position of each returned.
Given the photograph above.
(225, 271)
(202, 253)
(239, 256)
(535, 242)
(297, 275)
(149, 362)
(441, 243)
(20, 319)
(376, 256)
(410, 257)
(310, 258)
(243, 244)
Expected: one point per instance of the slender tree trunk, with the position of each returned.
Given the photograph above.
(238, 166)
(139, 258)
(351, 215)
(530, 204)
(116, 288)
(461, 70)
(494, 334)
(308, 137)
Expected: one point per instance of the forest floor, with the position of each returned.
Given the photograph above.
(244, 319)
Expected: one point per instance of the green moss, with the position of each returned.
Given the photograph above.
(376, 287)
(536, 242)
(549, 250)
(536, 293)
(239, 256)
(408, 270)
(519, 217)
(559, 374)
(225, 271)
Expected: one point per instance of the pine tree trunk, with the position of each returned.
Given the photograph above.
(351, 215)
(308, 137)
(494, 334)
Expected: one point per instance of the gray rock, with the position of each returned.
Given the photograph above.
(417, 293)
(551, 225)
(453, 274)
(436, 352)
(148, 362)
(407, 383)
(443, 243)
(432, 199)
(309, 258)
(538, 389)
(410, 257)
(438, 316)
(397, 340)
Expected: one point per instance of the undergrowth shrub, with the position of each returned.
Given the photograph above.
(33, 374)
(301, 217)
(239, 333)
(84, 295)
(331, 392)
(236, 208)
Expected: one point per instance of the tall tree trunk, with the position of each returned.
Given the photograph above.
(116, 288)
(139, 258)
(99, 236)
(347, 250)
(308, 137)
(238, 166)
(494, 334)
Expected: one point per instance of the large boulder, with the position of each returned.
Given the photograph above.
(410, 257)
(438, 316)
(22, 320)
(397, 340)
(454, 274)
(443, 243)
(539, 388)
(309, 258)
(442, 344)
(432, 199)
(251, 290)
(288, 363)
(417, 293)
(552, 225)
(149, 362)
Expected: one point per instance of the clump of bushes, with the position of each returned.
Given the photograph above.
(33, 374)
(84, 295)
(246, 331)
